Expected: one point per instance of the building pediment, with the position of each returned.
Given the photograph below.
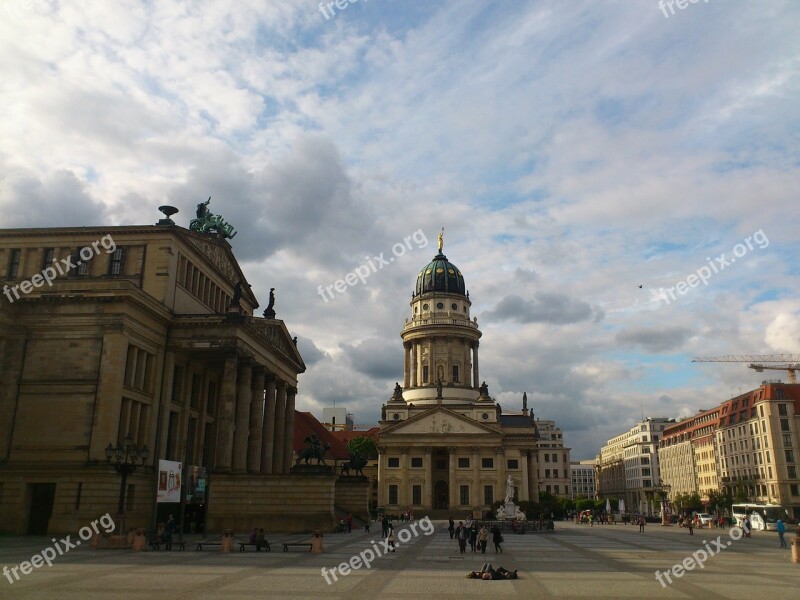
(275, 333)
(439, 420)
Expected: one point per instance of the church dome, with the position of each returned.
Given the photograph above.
(440, 275)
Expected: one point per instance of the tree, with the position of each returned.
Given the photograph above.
(364, 446)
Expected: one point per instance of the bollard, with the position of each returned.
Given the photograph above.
(316, 542)
(139, 541)
(796, 550)
(227, 540)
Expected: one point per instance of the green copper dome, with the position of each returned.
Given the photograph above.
(440, 275)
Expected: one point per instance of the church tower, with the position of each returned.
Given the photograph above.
(440, 342)
(444, 443)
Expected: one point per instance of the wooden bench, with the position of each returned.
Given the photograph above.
(207, 543)
(304, 544)
(242, 546)
(156, 542)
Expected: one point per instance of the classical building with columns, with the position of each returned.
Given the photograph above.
(444, 443)
(146, 333)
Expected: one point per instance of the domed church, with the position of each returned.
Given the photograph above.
(444, 443)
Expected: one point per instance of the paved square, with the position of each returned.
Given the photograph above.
(575, 561)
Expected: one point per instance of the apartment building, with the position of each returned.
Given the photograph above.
(583, 479)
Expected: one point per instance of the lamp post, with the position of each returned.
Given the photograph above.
(124, 463)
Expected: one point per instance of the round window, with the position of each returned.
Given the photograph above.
(396, 416)
(454, 306)
(485, 416)
(440, 305)
(440, 270)
(424, 307)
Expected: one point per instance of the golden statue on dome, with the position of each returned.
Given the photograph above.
(441, 240)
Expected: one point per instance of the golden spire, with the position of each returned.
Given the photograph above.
(441, 240)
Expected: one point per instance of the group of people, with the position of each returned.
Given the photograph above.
(488, 573)
(476, 535)
(258, 538)
(387, 531)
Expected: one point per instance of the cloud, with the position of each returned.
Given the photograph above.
(654, 340)
(544, 308)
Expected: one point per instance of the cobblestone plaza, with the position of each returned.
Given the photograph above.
(574, 561)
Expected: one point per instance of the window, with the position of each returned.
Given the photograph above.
(795, 489)
(789, 456)
(782, 410)
(425, 374)
(81, 268)
(393, 463)
(785, 425)
(645, 460)
(547, 473)
(13, 263)
(392, 494)
(488, 494)
(646, 483)
(416, 495)
(463, 463)
(792, 470)
(555, 490)
(513, 463)
(455, 374)
(787, 440)
(463, 495)
(117, 262)
(416, 463)
(48, 257)
(546, 458)
(487, 463)
(646, 472)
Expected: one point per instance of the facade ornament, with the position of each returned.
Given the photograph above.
(269, 312)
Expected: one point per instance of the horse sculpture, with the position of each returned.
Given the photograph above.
(356, 463)
(317, 452)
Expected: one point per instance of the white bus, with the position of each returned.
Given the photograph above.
(762, 516)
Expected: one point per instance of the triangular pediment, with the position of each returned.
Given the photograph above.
(219, 253)
(277, 336)
(442, 421)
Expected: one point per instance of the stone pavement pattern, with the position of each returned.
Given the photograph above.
(575, 561)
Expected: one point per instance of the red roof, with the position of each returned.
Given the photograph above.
(305, 424)
(346, 436)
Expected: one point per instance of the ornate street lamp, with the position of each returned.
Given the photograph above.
(124, 463)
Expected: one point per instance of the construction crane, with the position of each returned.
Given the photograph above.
(760, 362)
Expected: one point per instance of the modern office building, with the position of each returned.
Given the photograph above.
(583, 479)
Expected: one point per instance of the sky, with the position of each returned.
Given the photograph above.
(617, 181)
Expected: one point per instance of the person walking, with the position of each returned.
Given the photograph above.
(781, 528)
(451, 528)
(349, 523)
(461, 536)
(384, 527)
(483, 536)
(746, 526)
(473, 536)
(690, 525)
(497, 539)
(168, 531)
(641, 523)
(391, 537)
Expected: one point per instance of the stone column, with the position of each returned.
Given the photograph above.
(227, 402)
(417, 364)
(452, 489)
(244, 395)
(431, 365)
(280, 429)
(406, 364)
(381, 480)
(268, 427)
(476, 382)
(533, 480)
(467, 367)
(256, 422)
(523, 488)
(500, 459)
(291, 392)
(402, 496)
(477, 495)
(427, 492)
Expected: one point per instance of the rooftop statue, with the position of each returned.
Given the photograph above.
(208, 222)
